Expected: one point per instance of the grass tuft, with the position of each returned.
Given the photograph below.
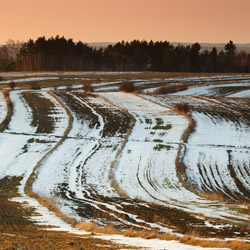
(127, 87)
(170, 89)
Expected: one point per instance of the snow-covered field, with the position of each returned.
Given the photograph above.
(21, 148)
(217, 153)
(146, 168)
(118, 162)
(230, 89)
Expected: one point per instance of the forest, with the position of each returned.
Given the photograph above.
(61, 54)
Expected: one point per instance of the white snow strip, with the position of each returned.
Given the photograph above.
(105, 83)
(241, 94)
(3, 108)
(146, 168)
(47, 218)
(33, 79)
(19, 154)
(59, 115)
(216, 144)
(21, 121)
(210, 90)
(107, 89)
(22, 115)
(154, 244)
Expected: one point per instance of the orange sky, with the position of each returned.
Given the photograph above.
(116, 20)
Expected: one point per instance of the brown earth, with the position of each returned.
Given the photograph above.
(18, 232)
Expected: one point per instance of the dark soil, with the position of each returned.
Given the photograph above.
(18, 232)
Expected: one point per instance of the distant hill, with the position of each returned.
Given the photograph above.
(220, 46)
(100, 44)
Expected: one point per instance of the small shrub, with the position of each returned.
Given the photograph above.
(89, 227)
(34, 85)
(12, 85)
(166, 127)
(170, 89)
(183, 107)
(88, 88)
(127, 87)
(159, 147)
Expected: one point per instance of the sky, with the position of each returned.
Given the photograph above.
(212, 21)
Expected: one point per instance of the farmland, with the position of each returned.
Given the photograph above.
(172, 166)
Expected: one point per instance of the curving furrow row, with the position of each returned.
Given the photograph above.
(217, 154)
(21, 147)
(231, 134)
(82, 183)
(81, 168)
(89, 174)
(146, 168)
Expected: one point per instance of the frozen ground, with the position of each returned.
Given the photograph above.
(241, 94)
(90, 167)
(217, 154)
(215, 90)
(3, 108)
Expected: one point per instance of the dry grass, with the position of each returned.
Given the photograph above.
(34, 86)
(170, 89)
(18, 232)
(214, 196)
(5, 123)
(127, 87)
(51, 205)
(12, 85)
(88, 227)
(234, 245)
(192, 237)
(95, 228)
(183, 109)
(88, 88)
(132, 232)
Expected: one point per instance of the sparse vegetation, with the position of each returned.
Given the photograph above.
(88, 88)
(159, 147)
(5, 123)
(41, 109)
(170, 89)
(166, 127)
(191, 225)
(34, 86)
(12, 85)
(182, 107)
(127, 87)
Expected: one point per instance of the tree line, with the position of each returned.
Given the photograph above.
(61, 54)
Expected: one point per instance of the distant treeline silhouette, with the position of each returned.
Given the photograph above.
(60, 54)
